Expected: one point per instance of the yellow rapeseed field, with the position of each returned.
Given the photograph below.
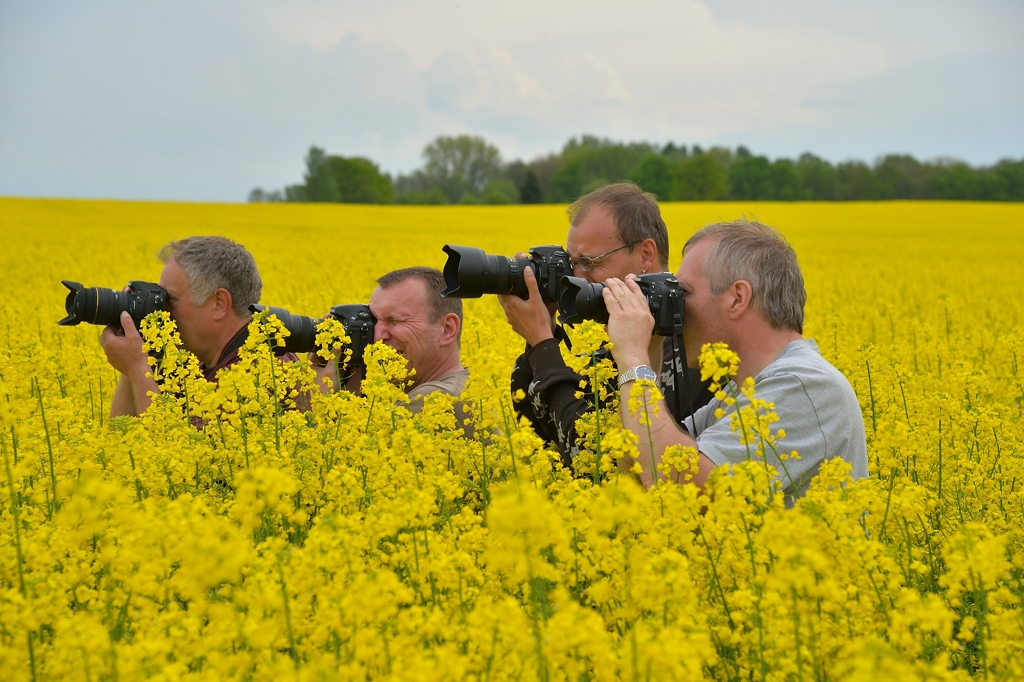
(358, 541)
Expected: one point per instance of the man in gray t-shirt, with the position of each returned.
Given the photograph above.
(742, 286)
(817, 409)
(423, 327)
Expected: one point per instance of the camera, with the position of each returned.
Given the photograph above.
(582, 300)
(356, 318)
(97, 305)
(471, 273)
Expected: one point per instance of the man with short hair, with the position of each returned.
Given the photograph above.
(743, 287)
(210, 283)
(614, 231)
(423, 327)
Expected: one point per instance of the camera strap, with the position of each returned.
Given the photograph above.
(563, 336)
(680, 368)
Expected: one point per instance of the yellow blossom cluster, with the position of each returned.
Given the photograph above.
(226, 534)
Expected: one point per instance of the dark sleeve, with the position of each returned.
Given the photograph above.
(695, 394)
(550, 402)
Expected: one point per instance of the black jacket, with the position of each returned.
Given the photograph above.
(551, 404)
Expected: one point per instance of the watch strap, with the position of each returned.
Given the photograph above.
(638, 372)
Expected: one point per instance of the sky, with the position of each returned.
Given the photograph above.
(203, 101)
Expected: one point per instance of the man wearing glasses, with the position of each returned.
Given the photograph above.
(614, 231)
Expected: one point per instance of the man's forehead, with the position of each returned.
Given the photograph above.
(593, 234)
(407, 297)
(173, 278)
(693, 261)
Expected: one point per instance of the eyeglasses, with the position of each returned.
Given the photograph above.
(587, 263)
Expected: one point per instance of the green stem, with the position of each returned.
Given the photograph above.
(49, 449)
(287, 614)
(597, 419)
(871, 393)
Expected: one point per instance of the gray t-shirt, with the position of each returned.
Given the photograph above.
(452, 383)
(816, 406)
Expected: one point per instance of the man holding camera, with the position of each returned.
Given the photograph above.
(423, 327)
(614, 231)
(743, 287)
(210, 283)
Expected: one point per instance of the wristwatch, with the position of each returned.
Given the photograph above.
(641, 372)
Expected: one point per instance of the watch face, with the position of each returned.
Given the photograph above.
(646, 373)
(641, 372)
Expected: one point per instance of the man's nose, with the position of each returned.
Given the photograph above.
(380, 332)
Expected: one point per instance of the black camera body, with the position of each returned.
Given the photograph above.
(582, 300)
(471, 273)
(356, 318)
(359, 323)
(96, 305)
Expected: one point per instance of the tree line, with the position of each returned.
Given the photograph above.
(466, 169)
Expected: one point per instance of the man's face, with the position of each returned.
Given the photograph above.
(403, 322)
(192, 320)
(595, 234)
(703, 311)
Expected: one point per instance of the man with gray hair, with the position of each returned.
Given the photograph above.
(742, 286)
(210, 283)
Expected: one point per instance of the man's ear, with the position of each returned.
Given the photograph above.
(739, 298)
(450, 330)
(221, 304)
(649, 256)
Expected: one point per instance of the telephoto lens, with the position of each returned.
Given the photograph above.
(470, 272)
(356, 318)
(582, 300)
(96, 305)
(301, 329)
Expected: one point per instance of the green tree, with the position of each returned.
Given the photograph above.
(460, 165)
(341, 179)
(529, 190)
(318, 184)
(900, 176)
(432, 196)
(787, 180)
(359, 181)
(699, 178)
(500, 192)
(590, 162)
(1002, 182)
(750, 178)
(858, 182)
(655, 176)
(955, 180)
(1011, 177)
(820, 178)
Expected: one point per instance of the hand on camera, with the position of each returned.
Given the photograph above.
(123, 347)
(533, 319)
(630, 322)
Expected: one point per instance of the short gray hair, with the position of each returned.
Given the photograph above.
(635, 213)
(751, 251)
(212, 263)
(434, 282)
